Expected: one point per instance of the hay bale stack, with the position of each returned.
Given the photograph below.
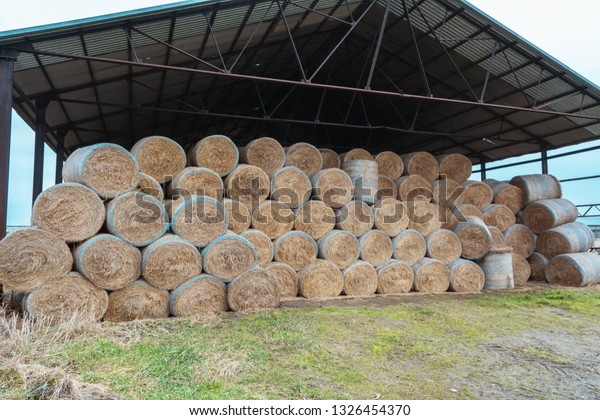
(455, 166)
(547, 214)
(305, 157)
(239, 215)
(356, 154)
(296, 249)
(446, 191)
(395, 277)
(273, 218)
(566, 239)
(200, 220)
(355, 217)
(498, 239)
(360, 279)
(521, 239)
(137, 218)
(248, 184)
(262, 244)
(254, 289)
(574, 270)
(196, 181)
(290, 187)
(31, 257)
(409, 246)
(365, 179)
(315, 218)
(506, 194)
(150, 186)
(159, 157)
(466, 276)
(170, 261)
(264, 152)
(537, 187)
(423, 217)
(105, 168)
(330, 159)
(200, 296)
(443, 245)
(139, 300)
(414, 188)
(477, 193)
(375, 247)
(216, 152)
(431, 276)
(287, 279)
(386, 188)
(498, 269)
(332, 186)
(474, 237)
(228, 256)
(321, 280)
(421, 163)
(499, 216)
(537, 264)
(339, 247)
(391, 216)
(390, 165)
(72, 212)
(521, 269)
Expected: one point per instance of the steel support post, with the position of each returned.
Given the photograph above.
(7, 64)
(544, 159)
(483, 172)
(60, 154)
(38, 159)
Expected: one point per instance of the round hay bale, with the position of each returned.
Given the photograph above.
(365, 179)
(498, 239)
(447, 191)
(305, 157)
(66, 298)
(330, 159)
(199, 219)
(546, 214)
(409, 246)
(216, 152)
(264, 152)
(315, 218)
(31, 257)
(395, 277)
(414, 188)
(390, 165)
(498, 269)
(150, 186)
(360, 279)
(421, 163)
(566, 239)
(108, 262)
(574, 270)
(455, 166)
(239, 215)
(521, 239)
(105, 168)
(475, 238)
(498, 215)
(170, 261)
(287, 279)
(137, 218)
(196, 181)
(290, 187)
(391, 216)
(296, 249)
(160, 157)
(254, 289)
(443, 245)
(321, 280)
(521, 269)
(506, 194)
(273, 218)
(466, 276)
(200, 296)
(386, 188)
(339, 247)
(537, 264)
(375, 247)
(139, 300)
(332, 186)
(72, 212)
(477, 194)
(451, 218)
(423, 217)
(537, 187)
(356, 154)
(249, 185)
(355, 217)
(262, 244)
(228, 256)
(431, 276)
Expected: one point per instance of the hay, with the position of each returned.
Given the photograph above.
(290, 187)
(239, 215)
(136, 218)
(315, 218)
(537, 264)
(296, 249)
(365, 179)
(466, 276)
(537, 187)
(521, 269)
(506, 194)
(150, 186)
(451, 218)
(455, 166)
(566, 239)
(31, 257)
(215, 152)
(431, 276)
(356, 154)
(339, 247)
(409, 246)
(332, 186)
(200, 220)
(170, 261)
(254, 289)
(477, 194)
(196, 181)
(108, 262)
(249, 185)
(421, 163)
(423, 217)
(443, 245)
(521, 239)
(391, 216)
(574, 270)
(390, 165)
(414, 188)
(546, 214)
(287, 279)
(330, 159)
(499, 216)
(498, 269)
(446, 191)
(273, 219)
(305, 157)
(159, 157)
(355, 217)
(67, 297)
(395, 277)
(475, 238)
(229, 256)
(107, 169)
(360, 279)
(201, 296)
(71, 211)
(321, 280)
(386, 188)
(139, 300)
(262, 244)
(498, 239)
(375, 247)
(264, 152)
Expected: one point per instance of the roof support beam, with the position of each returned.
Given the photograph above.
(7, 64)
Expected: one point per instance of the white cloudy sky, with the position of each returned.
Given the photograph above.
(566, 30)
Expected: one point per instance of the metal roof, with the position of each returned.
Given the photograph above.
(441, 76)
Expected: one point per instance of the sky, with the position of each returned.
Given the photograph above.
(567, 31)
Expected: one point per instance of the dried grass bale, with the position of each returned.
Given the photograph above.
(521, 269)
(475, 238)
(160, 157)
(315, 218)
(391, 216)
(390, 165)
(108, 262)
(216, 152)
(137, 218)
(466, 276)
(330, 159)
(431, 276)
(395, 277)
(196, 181)
(546, 214)
(477, 193)
(31, 257)
(498, 269)
(287, 279)
(521, 239)
(365, 179)
(447, 191)
(71, 211)
(421, 163)
(360, 279)
(537, 187)
(239, 215)
(264, 152)
(506, 194)
(332, 186)
(537, 264)
(296, 249)
(375, 247)
(321, 280)
(107, 169)
(66, 298)
(262, 244)
(450, 218)
(249, 185)
(423, 217)
(228, 256)
(273, 218)
(355, 217)
(290, 187)
(386, 188)
(139, 300)
(356, 154)
(574, 270)
(499, 216)
(498, 239)
(202, 296)
(150, 186)
(443, 245)
(414, 188)
(339, 247)
(254, 289)
(305, 157)
(566, 239)
(409, 246)
(455, 166)
(200, 220)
